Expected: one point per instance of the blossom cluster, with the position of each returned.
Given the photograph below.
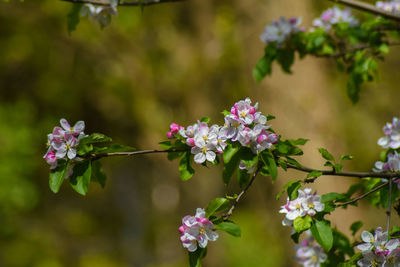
(309, 253)
(390, 140)
(101, 14)
(392, 135)
(244, 124)
(307, 203)
(280, 30)
(378, 250)
(62, 142)
(392, 6)
(333, 16)
(197, 231)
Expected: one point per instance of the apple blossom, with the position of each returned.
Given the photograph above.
(333, 16)
(392, 6)
(309, 253)
(280, 30)
(197, 231)
(392, 132)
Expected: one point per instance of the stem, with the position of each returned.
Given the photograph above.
(353, 49)
(367, 8)
(363, 195)
(389, 211)
(237, 199)
(122, 2)
(134, 153)
(346, 174)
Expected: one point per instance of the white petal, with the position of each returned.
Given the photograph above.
(199, 158)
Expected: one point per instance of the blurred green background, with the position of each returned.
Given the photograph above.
(173, 62)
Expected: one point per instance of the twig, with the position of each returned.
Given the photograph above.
(367, 8)
(134, 153)
(389, 211)
(353, 49)
(346, 174)
(363, 195)
(122, 2)
(237, 199)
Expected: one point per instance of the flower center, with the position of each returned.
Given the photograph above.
(298, 206)
(242, 114)
(204, 150)
(202, 231)
(311, 205)
(314, 258)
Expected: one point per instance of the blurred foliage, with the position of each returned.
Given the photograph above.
(172, 62)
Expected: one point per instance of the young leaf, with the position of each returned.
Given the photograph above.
(243, 177)
(98, 175)
(286, 186)
(230, 168)
(113, 148)
(165, 145)
(185, 169)
(73, 17)
(292, 190)
(196, 257)
(332, 197)
(314, 174)
(269, 161)
(229, 152)
(57, 176)
(322, 232)
(215, 205)
(205, 119)
(325, 154)
(95, 138)
(80, 177)
(229, 227)
(300, 224)
(355, 227)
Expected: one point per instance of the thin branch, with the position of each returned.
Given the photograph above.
(367, 8)
(122, 2)
(237, 199)
(353, 49)
(389, 211)
(134, 153)
(363, 195)
(346, 174)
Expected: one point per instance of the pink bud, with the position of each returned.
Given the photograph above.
(170, 135)
(182, 229)
(190, 141)
(174, 128)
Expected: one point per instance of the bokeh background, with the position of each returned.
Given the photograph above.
(173, 62)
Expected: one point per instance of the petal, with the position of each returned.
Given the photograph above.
(199, 158)
(79, 127)
(367, 237)
(210, 155)
(364, 246)
(64, 123)
(71, 153)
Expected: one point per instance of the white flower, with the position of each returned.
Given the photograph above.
(309, 253)
(392, 132)
(280, 30)
(333, 16)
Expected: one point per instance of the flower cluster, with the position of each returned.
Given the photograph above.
(378, 250)
(309, 253)
(392, 132)
(100, 14)
(333, 16)
(62, 142)
(243, 124)
(307, 203)
(392, 164)
(280, 30)
(392, 6)
(197, 231)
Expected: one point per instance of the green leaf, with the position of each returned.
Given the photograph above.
(314, 174)
(229, 152)
(292, 190)
(225, 112)
(113, 148)
(73, 17)
(243, 177)
(174, 155)
(229, 227)
(217, 204)
(263, 66)
(298, 142)
(355, 227)
(332, 197)
(325, 154)
(285, 58)
(98, 175)
(345, 157)
(322, 232)
(185, 169)
(196, 257)
(269, 162)
(165, 145)
(57, 176)
(80, 177)
(230, 168)
(383, 48)
(205, 119)
(84, 149)
(286, 186)
(300, 224)
(95, 138)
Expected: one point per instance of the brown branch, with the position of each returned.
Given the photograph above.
(346, 174)
(367, 8)
(363, 195)
(239, 196)
(122, 2)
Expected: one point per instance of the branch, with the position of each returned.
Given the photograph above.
(389, 211)
(347, 174)
(367, 8)
(134, 153)
(353, 49)
(364, 195)
(122, 2)
(237, 199)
